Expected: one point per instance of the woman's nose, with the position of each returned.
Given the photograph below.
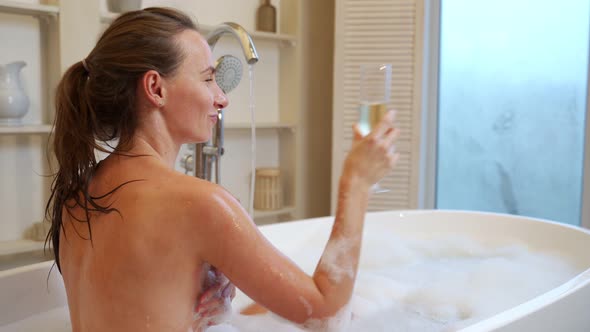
(221, 101)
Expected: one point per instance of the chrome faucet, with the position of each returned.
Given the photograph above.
(241, 35)
(205, 154)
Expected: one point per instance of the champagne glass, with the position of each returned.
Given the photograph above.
(375, 93)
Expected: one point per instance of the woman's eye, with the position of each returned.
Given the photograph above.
(209, 80)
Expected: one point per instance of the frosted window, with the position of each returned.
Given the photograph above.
(512, 106)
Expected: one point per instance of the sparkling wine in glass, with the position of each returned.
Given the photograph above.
(375, 94)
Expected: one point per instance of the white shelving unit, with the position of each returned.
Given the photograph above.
(26, 129)
(48, 16)
(67, 33)
(61, 41)
(29, 9)
(107, 18)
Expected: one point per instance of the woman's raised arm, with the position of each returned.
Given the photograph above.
(231, 242)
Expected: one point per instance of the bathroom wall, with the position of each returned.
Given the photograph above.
(22, 157)
(23, 192)
(318, 60)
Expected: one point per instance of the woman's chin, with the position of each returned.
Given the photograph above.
(201, 138)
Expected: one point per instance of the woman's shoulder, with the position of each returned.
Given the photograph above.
(192, 191)
(204, 209)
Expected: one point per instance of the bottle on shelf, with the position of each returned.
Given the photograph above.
(121, 6)
(266, 17)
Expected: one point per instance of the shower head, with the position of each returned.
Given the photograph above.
(228, 72)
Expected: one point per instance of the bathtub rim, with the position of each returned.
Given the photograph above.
(406, 212)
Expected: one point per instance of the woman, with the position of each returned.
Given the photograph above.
(134, 239)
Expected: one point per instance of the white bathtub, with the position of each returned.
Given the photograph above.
(24, 291)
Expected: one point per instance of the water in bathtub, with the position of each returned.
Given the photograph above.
(437, 284)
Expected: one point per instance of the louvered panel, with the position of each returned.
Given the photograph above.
(404, 137)
(382, 23)
(378, 31)
(371, 39)
(367, 33)
(396, 76)
(397, 86)
(377, 3)
(385, 13)
(398, 184)
(400, 70)
(371, 28)
(367, 51)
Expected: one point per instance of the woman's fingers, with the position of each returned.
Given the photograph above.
(216, 294)
(207, 295)
(393, 159)
(391, 136)
(384, 125)
(356, 131)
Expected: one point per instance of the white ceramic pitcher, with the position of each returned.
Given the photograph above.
(14, 102)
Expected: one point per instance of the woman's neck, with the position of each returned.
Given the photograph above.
(164, 150)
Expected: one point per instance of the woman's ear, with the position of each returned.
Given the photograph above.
(151, 86)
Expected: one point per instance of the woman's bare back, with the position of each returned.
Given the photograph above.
(140, 269)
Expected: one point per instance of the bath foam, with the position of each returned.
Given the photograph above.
(307, 305)
(430, 284)
(341, 321)
(335, 262)
(223, 317)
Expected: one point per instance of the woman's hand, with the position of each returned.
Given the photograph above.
(214, 303)
(254, 309)
(373, 156)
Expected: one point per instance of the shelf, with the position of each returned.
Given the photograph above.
(20, 246)
(268, 125)
(256, 35)
(273, 213)
(25, 129)
(32, 9)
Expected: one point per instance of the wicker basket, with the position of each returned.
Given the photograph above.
(268, 193)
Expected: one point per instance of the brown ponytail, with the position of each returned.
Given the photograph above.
(95, 104)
